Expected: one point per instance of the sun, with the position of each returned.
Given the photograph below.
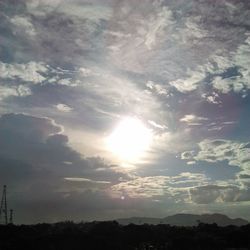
(130, 139)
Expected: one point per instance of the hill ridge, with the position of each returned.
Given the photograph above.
(186, 219)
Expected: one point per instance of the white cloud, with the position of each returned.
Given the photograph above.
(239, 59)
(212, 151)
(23, 90)
(194, 28)
(63, 107)
(219, 150)
(217, 63)
(85, 72)
(157, 88)
(182, 49)
(73, 8)
(41, 7)
(24, 25)
(143, 33)
(119, 93)
(79, 179)
(156, 25)
(225, 85)
(156, 125)
(191, 162)
(67, 82)
(170, 186)
(211, 97)
(189, 83)
(242, 59)
(30, 72)
(193, 119)
(8, 91)
(187, 155)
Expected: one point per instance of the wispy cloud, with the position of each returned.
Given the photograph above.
(193, 119)
(79, 179)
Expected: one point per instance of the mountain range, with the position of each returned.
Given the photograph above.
(185, 220)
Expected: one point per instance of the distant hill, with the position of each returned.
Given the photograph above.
(185, 220)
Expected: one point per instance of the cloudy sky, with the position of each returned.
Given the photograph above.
(121, 108)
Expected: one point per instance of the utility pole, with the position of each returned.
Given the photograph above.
(3, 208)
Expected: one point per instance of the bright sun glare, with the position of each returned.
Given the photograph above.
(130, 139)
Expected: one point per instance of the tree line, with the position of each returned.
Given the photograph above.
(111, 235)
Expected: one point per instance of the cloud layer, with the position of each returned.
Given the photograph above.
(71, 71)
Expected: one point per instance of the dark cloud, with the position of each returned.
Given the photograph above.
(218, 193)
(35, 159)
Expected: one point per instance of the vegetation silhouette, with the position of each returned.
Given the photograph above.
(111, 235)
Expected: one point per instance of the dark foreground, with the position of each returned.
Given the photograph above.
(111, 235)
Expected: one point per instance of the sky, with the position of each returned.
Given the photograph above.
(119, 108)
